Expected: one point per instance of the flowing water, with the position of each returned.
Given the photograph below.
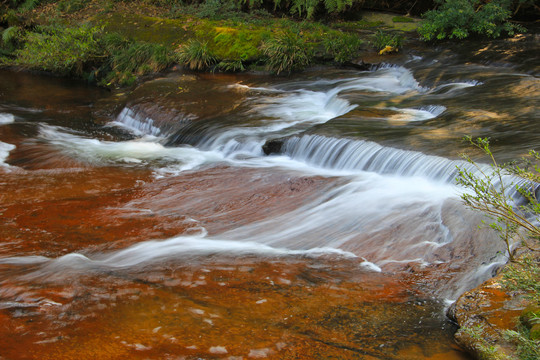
(152, 225)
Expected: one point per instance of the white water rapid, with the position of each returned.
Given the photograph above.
(388, 206)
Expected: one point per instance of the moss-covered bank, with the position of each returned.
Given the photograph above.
(115, 43)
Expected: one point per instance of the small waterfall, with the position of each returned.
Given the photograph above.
(360, 155)
(137, 123)
(142, 122)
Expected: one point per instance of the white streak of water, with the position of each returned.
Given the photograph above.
(6, 118)
(137, 124)
(5, 149)
(156, 251)
(420, 114)
(145, 149)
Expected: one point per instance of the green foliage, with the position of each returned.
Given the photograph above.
(239, 43)
(402, 19)
(12, 37)
(126, 60)
(71, 6)
(287, 52)
(230, 66)
(341, 46)
(307, 8)
(85, 52)
(484, 350)
(524, 276)
(457, 19)
(196, 55)
(61, 50)
(527, 348)
(384, 39)
(26, 5)
(11, 18)
(212, 9)
(512, 222)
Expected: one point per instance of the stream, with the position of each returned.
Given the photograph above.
(150, 224)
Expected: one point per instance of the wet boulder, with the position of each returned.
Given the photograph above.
(273, 146)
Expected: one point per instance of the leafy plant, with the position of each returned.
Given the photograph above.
(491, 195)
(71, 6)
(527, 348)
(196, 55)
(26, 5)
(524, 276)
(383, 39)
(231, 66)
(307, 8)
(126, 60)
(287, 52)
(342, 47)
(12, 38)
(457, 19)
(61, 50)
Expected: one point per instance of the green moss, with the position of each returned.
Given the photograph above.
(240, 43)
(402, 19)
(161, 31)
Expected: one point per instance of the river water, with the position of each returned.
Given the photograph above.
(150, 224)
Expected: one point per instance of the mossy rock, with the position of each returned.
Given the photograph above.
(238, 43)
(534, 333)
(402, 19)
(162, 31)
(530, 317)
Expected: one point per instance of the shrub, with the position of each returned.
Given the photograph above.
(196, 55)
(62, 50)
(71, 6)
(512, 222)
(461, 18)
(307, 8)
(342, 47)
(12, 37)
(126, 60)
(287, 52)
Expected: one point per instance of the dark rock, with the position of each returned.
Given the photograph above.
(360, 65)
(273, 146)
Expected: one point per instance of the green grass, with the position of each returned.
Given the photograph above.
(196, 55)
(286, 52)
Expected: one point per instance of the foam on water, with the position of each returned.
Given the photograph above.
(5, 148)
(143, 150)
(6, 118)
(420, 114)
(455, 86)
(135, 123)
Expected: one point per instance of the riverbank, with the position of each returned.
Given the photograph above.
(118, 44)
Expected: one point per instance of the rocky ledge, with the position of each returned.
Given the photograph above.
(487, 313)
